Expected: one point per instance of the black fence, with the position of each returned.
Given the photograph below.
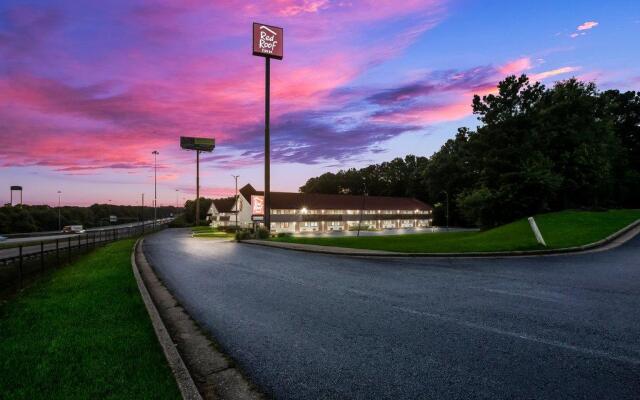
(21, 262)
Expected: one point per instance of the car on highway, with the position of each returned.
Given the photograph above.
(73, 229)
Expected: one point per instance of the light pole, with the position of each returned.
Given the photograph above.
(364, 194)
(155, 187)
(177, 194)
(235, 203)
(59, 219)
(447, 199)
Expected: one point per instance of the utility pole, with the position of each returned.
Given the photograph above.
(235, 204)
(59, 219)
(142, 213)
(155, 187)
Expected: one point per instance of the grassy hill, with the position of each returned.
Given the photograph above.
(559, 229)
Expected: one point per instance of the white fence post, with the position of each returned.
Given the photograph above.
(536, 231)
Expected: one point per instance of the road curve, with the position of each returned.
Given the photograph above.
(309, 326)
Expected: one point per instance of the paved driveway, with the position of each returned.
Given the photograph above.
(309, 326)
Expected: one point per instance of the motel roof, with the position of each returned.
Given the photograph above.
(224, 205)
(317, 201)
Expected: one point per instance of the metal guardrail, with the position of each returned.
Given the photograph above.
(21, 260)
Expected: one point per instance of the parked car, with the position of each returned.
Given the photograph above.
(2, 238)
(73, 229)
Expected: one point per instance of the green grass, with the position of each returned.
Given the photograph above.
(198, 229)
(209, 232)
(83, 333)
(221, 235)
(559, 229)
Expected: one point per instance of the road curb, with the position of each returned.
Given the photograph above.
(183, 378)
(214, 374)
(625, 234)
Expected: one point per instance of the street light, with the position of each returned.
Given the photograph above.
(155, 187)
(447, 198)
(235, 204)
(59, 219)
(177, 194)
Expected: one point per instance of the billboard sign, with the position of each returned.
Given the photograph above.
(197, 143)
(257, 205)
(268, 41)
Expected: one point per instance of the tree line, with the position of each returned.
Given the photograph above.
(39, 218)
(537, 149)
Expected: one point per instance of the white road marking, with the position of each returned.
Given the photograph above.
(549, 342)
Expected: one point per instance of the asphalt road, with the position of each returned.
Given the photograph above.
(309, 326)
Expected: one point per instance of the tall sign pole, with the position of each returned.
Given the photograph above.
(197, 187)
(268, 42)
(198, 144)
(267, 145)
(155, 187)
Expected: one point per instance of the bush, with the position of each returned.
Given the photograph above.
(243, 235)
(284, 234)
(179, 222)
(262, 234)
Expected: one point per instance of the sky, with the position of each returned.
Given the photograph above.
(88, 89)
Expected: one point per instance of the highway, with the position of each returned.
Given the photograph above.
(310, 326)
(31, 245)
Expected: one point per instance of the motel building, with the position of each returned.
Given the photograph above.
(313, 212)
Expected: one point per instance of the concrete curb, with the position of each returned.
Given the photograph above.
(185, 383)
(215, 375)
(625, 234)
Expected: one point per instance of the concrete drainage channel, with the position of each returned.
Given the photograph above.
(201, 371)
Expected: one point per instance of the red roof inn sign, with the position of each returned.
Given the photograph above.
(268, 41)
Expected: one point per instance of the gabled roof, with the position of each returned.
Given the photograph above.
(247, 190)
(224, 205)
(317, 201)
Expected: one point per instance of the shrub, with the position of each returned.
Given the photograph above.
(243, 235)
(284, 234)
(262, 233)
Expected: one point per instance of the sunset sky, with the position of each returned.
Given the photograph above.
(88, 89)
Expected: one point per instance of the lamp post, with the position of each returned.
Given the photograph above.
(155, 187)
(59, 219)
(177, 194)
(364, 194)
(235, 203)
(447, 199)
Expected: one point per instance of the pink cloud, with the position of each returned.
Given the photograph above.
(554, 72)
(516, 67)
(587, 25)
(304, 7)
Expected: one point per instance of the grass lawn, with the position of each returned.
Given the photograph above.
(209, 232)
(83, 333)
(559, 229)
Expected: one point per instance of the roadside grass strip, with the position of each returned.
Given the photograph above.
(83, 333)
(559, 229)
(209, 232)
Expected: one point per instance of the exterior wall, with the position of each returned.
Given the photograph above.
(292, 221)
(244, 215)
